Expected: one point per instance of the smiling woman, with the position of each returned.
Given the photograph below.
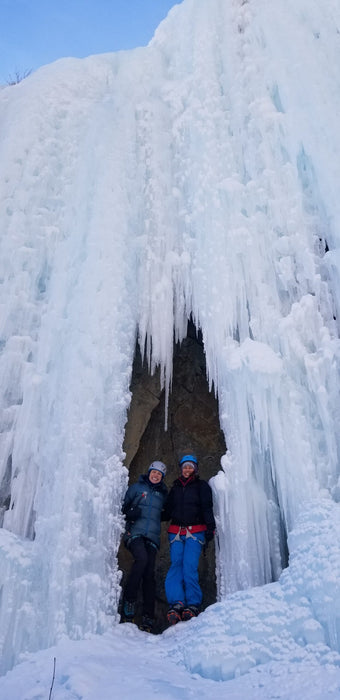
(190, 507)
(143, 506)
(33, 32)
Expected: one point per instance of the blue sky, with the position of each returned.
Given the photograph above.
(36, 32)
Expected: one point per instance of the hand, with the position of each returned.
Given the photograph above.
(133, 513)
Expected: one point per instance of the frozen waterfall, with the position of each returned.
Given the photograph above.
(195, 177)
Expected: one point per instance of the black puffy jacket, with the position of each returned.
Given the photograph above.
(190, 503)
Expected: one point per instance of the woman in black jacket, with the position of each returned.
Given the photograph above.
(190, 508)
(143, 505)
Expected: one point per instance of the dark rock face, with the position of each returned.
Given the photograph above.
(193, 427)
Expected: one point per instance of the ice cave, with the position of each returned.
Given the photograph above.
(189, 422)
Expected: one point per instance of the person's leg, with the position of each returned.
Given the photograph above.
(192, 552)
(174, 579)
(149, 585)
(140, 555)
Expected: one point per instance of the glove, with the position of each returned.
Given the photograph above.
(133, 513)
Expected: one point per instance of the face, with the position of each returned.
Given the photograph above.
(187, 469)
(155, 476)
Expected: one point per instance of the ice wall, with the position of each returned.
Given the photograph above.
(196, 176)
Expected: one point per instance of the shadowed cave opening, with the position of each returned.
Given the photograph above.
(193, 427)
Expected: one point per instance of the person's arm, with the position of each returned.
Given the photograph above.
(168, 506)
(130, 507)
(207, 508)
(127, 500)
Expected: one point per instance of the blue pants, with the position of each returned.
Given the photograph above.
(181, 583)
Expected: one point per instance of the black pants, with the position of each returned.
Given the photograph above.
(142, 571)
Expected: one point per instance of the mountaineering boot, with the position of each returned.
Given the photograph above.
(129, 610)
(147, 624)
(174, 613)
(190, 611)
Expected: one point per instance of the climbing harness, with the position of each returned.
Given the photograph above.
(185, 531)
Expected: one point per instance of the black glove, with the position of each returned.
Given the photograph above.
(133, 513)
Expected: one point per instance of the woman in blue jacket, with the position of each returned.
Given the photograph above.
(190, 507)
(143, 505)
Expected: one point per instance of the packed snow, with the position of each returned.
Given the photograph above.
(198, 177)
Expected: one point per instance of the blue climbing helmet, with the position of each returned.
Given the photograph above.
(191, 459)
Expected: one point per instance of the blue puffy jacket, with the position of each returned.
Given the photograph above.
(150, 499)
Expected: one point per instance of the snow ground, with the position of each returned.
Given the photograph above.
(128, 663)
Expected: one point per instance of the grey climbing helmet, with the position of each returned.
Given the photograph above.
(159, 466)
